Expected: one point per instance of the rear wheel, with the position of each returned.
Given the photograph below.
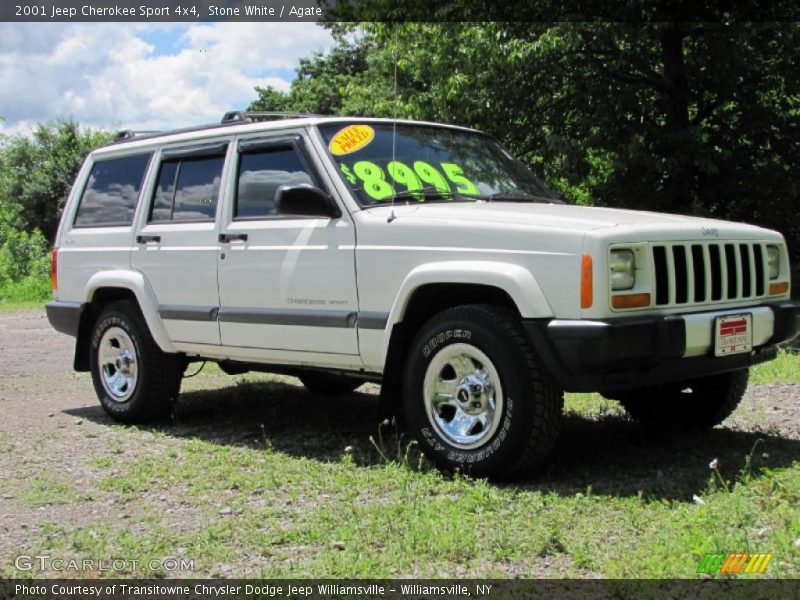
(476, 397)
(694, 404)
(135, 381)
(328, 384)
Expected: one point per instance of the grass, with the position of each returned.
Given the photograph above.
(17, 305)
(24, 295)
(294, 517)
(47, 490)
(256, 477)
(32, 291)
(260, 478)
(784, 369)
(5, 443)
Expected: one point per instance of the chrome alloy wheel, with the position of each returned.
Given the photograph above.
(116, 357)
(463, 396)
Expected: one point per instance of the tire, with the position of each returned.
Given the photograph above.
(328, 384)
(697, 404)
(499, 412)
(134, 380)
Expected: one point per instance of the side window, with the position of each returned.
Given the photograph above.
(261, 173)
(187, 189)
(112, 192)
(165, 192)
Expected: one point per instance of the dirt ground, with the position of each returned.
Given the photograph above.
(52, 428)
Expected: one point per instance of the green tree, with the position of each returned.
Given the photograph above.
(697, 118)
(323, 81)
(24, 259)
(37, 172)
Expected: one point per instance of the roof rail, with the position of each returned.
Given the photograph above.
(129, 134)
(248, 116)
(234, 117)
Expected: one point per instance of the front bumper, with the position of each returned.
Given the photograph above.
(625, 352)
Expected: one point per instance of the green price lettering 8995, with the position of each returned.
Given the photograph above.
(378, 187)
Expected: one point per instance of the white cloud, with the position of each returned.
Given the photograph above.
(108, 75)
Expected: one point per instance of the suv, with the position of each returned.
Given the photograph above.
(418, 255)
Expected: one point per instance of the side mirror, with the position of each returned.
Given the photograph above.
(305, 200)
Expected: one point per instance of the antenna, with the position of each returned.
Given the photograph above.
(392, 216)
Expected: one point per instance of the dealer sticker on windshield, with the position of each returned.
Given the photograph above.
(733, 334)
(351, 139)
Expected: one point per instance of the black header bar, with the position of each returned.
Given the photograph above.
(633, 11)
(368, 589)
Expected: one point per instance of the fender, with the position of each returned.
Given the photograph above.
(136, 283)
(518, 282)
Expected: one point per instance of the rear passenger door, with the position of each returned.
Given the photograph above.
(176, 243)
(286, 282)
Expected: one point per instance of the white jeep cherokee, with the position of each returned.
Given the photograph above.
(418, 255)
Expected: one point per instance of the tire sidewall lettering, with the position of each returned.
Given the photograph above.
(464, 457)
(445, 336)
(521, 436)
(104, 325)
(432, 439)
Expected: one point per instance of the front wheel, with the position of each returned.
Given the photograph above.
(134, 380)
(694, 404)
(476, 397)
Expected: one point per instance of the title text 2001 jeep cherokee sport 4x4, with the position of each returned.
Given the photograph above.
(419, 255)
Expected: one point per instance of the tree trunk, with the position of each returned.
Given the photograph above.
(676, 106)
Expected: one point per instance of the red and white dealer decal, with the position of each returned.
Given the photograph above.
(733, 334)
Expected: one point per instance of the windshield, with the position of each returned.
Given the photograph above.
(417, 163)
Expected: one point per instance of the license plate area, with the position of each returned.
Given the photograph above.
(733, 334)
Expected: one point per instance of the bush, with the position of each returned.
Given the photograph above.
(24, 260)
(36, 172)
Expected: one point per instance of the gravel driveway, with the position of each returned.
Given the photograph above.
(52, 430)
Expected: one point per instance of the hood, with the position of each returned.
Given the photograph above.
(560, 216)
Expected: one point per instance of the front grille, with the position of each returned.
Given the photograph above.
(703, 272)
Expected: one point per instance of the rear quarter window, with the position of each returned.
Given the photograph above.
(112, 192)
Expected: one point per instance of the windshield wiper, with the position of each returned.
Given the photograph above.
(518, 196)
(423, 194)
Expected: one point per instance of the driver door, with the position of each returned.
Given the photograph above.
(285, 282)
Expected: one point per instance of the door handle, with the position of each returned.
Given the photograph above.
(231, 237)
(143, 239)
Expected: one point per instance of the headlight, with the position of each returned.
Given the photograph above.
(773, 261)
(623, 269)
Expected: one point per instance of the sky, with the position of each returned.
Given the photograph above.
(144, 76)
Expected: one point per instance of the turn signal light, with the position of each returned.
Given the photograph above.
(776, 289)
(54, 269)
(630, 300)
(586, 281)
